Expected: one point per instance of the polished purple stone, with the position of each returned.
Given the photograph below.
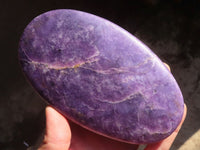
(100, 76)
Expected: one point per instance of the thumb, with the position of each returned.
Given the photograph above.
(58, 133)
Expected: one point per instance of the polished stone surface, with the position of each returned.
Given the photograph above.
(100, 76)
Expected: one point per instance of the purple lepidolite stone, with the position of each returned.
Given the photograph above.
(100, 76)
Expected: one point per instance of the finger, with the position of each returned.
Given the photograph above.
(166, 143)
(167, 66)
(58, 133)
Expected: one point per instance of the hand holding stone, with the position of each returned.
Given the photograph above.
(100, 76)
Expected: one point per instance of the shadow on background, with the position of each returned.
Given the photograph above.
(170, 29)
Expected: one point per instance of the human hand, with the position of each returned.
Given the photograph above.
(58, 136)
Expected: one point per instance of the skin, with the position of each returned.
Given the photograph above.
(62, 134)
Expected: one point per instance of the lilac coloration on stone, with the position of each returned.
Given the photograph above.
(100, 76)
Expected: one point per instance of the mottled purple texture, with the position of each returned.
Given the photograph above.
(100, 76)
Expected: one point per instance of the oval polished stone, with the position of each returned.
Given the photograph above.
(100, 76)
